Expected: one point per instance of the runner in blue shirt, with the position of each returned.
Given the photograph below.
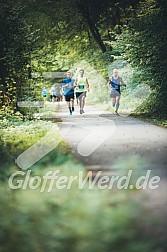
(44, 93)
(68, 91)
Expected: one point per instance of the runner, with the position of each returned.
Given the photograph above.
(53, 92)
(68, 90)
(50, 95)
(44, 93)
(59, 92)
(114, 84)
(82, 85)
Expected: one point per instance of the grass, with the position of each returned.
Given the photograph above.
(162, 122)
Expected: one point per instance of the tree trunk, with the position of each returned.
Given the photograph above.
(108, 28)
(93, 29)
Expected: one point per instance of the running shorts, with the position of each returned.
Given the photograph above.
(69, 97)
(114, 93)
(80, 94)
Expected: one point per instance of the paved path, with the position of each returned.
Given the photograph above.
(131, 141)
(124, 137)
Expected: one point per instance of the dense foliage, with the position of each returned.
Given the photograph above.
(144, 44)
(14, 55)
(40, 36)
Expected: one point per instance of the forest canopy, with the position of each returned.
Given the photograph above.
(41, 36)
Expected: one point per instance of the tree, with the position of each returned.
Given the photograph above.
(144, 43)
(14, 55)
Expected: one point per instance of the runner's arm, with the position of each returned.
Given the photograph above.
(87, 83)
(76, 83)
(123, 83)
(65, 85)
(108, 84)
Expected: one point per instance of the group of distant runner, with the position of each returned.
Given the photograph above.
(55, 93)
(78, 87)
